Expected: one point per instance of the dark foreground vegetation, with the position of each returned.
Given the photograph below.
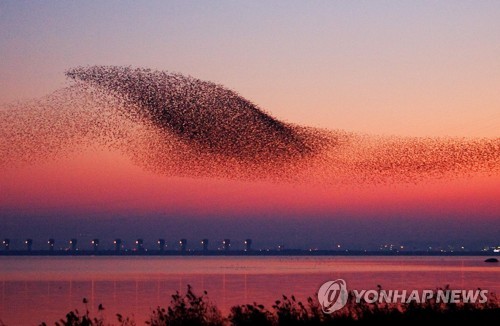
(191, 309)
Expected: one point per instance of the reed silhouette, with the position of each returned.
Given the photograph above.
(197, 310)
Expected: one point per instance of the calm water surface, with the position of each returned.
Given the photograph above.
(36, 289)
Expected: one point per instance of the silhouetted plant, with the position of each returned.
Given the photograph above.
(192, 310)
(187, 309)
(289, 311)
(74, 318)
(125, 321)
(251, 314)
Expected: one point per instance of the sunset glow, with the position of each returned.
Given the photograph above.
(409, 92)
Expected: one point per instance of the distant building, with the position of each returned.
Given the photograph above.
(72, 244)
(95, 244)
(226, 244)
(281, 247)
(248, 244)
(118, 244)
(139, 244)
(51, 243)
(6, 244)
(204, 244)
(182, 244)
(161, 244)
(29, 244)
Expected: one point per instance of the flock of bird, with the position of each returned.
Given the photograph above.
(176, 125)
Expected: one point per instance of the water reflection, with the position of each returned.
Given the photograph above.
(44, 289)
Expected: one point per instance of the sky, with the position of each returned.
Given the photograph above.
(374, 67)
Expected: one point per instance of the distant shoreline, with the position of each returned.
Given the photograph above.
(253, 253)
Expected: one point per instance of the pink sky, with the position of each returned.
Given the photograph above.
(90, 182)
(408, 69)
(420, 69)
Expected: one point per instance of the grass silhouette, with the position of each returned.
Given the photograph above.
(197, 310)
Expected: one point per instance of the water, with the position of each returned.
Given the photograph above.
(36, 289)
